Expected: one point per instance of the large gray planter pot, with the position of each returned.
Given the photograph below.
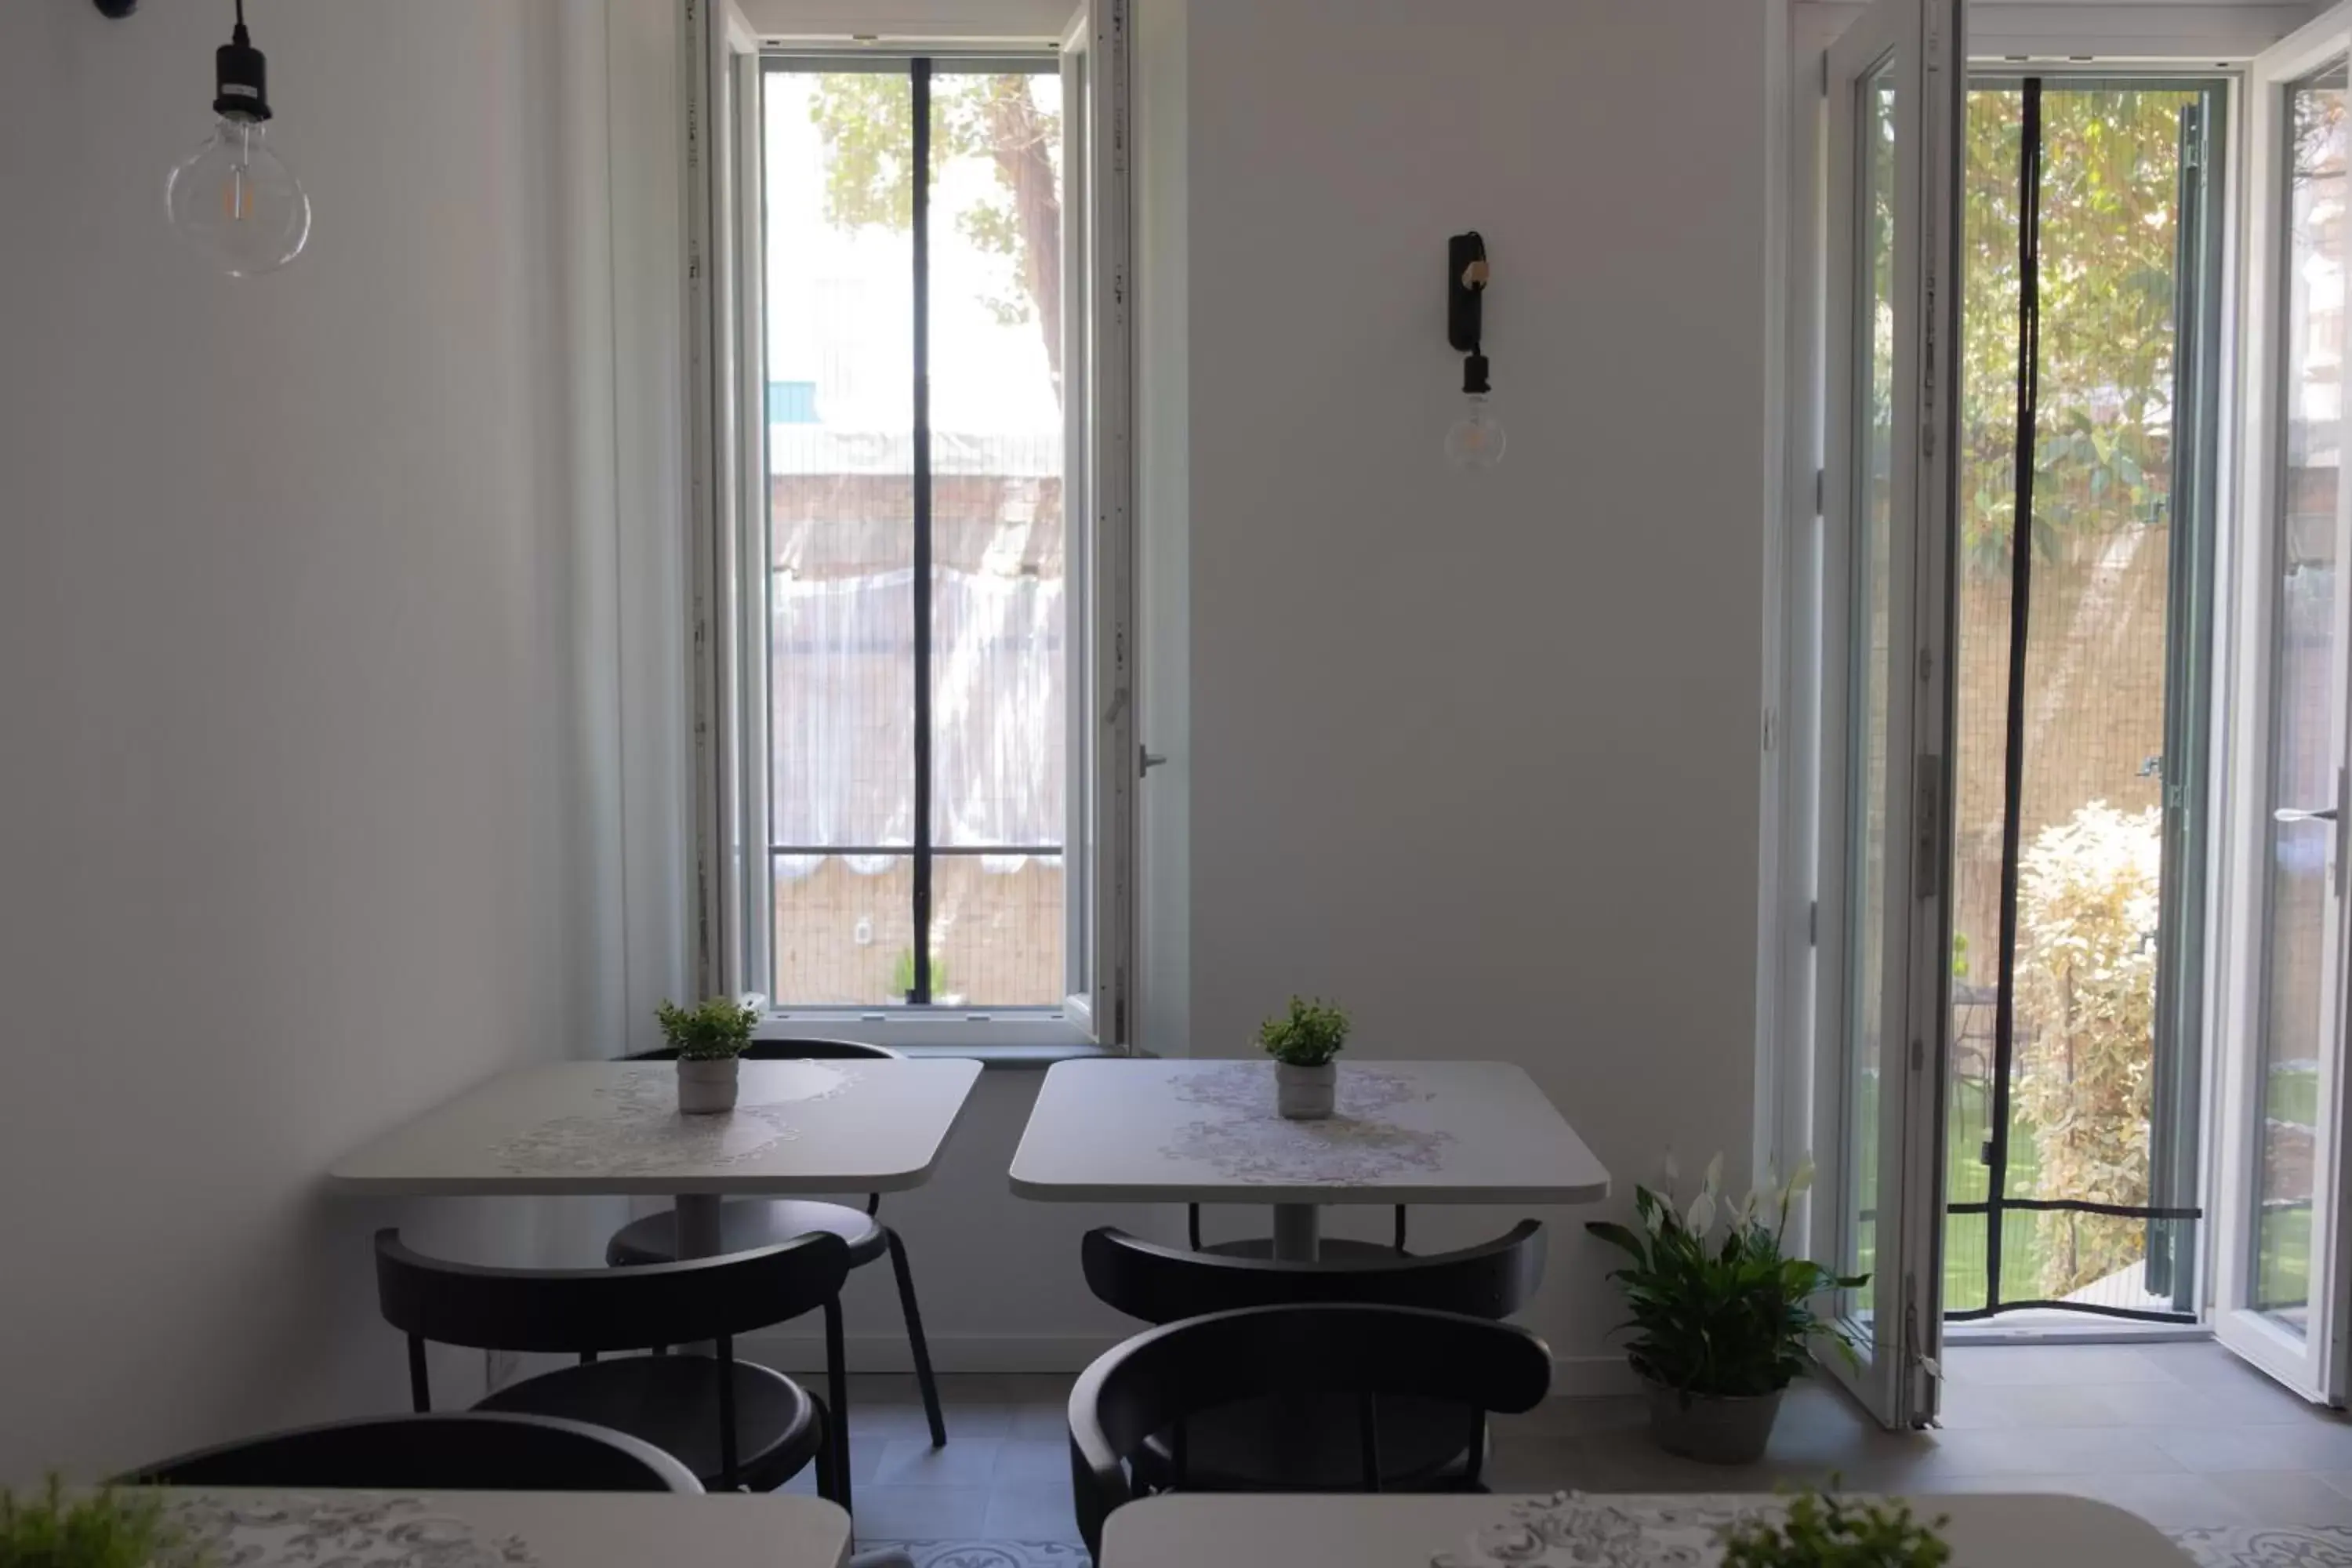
(706, 1088)
(1305, 1094)
(1714, 1431)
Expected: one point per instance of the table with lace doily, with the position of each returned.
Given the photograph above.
(1134, 1131)
(1566, 1531)
(311, 1528)
(799, 1129)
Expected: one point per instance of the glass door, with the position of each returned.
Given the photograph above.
(1894, 83)
(2280, 1294)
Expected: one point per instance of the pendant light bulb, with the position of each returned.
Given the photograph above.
(233, 199)
(1477, 438)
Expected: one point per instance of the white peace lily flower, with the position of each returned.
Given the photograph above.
(1654, 1218)
(1702, 1213)
(1802, 1176)
(1745, 1213)
(1673, 1172)
(1714, 1174)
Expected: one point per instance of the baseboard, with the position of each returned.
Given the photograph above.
(1572, 1377)
(1593, 1377)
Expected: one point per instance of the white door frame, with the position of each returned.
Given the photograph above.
(1921, 42)
(2314, 1365)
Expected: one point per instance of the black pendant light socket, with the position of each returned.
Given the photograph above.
(241, 77)
(116, 10)
(1466, 287)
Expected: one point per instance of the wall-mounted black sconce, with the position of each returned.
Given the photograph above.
(1477, 438)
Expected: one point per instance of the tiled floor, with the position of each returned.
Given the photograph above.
(2183, 1433)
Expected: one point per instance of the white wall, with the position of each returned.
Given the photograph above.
(296, 831)
(1477, 752)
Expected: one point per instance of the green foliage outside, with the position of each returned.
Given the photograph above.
(2109, 211)
(2086, 1007)
(103, 1529)
(1307, 1036)
(1720, 1318)
(717, 1030)
(866, 121)
(1823, 1531)
(902, 975)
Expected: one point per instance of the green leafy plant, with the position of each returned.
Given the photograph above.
(1720, 1317)
(103, 1529)
(2087, 918)
(902, 975)
(1308, 1035)
(718, 1030)
(1822, 1531)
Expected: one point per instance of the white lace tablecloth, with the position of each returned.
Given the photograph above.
(240, 1527)
(1246, 1139)
(1567, 1530)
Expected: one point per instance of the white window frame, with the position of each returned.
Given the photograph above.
(726, 505)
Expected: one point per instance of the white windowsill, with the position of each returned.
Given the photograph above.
(1033, 1039)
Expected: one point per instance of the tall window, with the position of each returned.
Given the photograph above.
(930, 581)
(917, 671)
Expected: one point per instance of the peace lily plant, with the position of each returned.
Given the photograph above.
(1721, 1320)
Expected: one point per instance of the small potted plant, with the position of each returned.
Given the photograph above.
(710, 1041)
(1722, 1322)
(1302, 1043)
(1822, 1531)
(102, 1529)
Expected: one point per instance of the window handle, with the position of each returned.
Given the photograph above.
(1146, 760)
(2295, 814)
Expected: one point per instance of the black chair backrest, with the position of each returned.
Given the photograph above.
(1156, 1380)
(477, 1452)
(793, 1050)
(1163, 1284)
(585, 1310)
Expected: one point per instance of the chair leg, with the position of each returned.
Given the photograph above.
(828, 1462)
(836, 1386)
(923, 1378)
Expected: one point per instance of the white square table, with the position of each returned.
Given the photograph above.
(271, 1529)
(799, 1128)
(2038, 1529)
(1206, 1132)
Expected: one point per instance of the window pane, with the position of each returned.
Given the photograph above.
(840, 337)
(997, 939)
(840, 457)
(1873, 508)
(2303, 736)
(845, 929)
(999, 611)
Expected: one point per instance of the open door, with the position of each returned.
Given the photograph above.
(2280, 1290)
(1894, 85)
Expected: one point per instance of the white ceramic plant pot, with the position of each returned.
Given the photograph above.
(706, 1087)
(1305, 1094)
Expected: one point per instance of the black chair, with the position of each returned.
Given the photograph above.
(730, 1423)
(1329, 1246)
(747, 1222)
(477, 1451)
(1241, 1447)
(1161, 1284)
(1159, 1380)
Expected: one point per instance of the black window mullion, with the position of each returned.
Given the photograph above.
(920, 177)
